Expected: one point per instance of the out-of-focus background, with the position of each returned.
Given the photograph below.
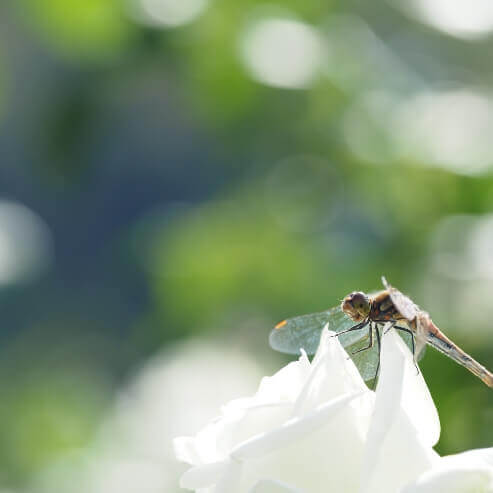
(178, 175)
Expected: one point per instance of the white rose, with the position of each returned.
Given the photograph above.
(316, 427)
(469, 472)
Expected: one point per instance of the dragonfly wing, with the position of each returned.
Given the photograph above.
(405, 305)
(423, 322)
(303, 332)
(367, 360)
(421, 351)
(340, 323)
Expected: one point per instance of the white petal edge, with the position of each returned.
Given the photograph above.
(332, 359)
(396, 361)
(185, 450)
(458, 473)
(454, 479)
(475, 456)
(204, 475)
(416, 398)
(292, 430)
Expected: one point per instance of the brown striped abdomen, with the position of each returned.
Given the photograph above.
(436, 338)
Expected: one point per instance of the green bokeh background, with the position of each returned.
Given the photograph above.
(184, 198)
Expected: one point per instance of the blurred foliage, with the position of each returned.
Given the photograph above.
(221, 78)
(90, 29)
(3, 83)
(186, 195)
(50, 415)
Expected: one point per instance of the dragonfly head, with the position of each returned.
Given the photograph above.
(356, 306)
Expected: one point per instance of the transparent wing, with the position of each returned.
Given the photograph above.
(303, 332)
(366, 361)
(423, 326)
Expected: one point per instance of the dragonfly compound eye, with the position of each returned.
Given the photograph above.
(356, 306)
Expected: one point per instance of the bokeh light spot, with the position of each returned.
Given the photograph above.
(467, 20)
(364, 128)
(426, 127)
(460, 280)
(431, 127)
(25, 243)
(463, 247)
(168, 13)
(282, 52)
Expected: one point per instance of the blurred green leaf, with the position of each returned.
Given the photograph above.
(92, 29)
(49, 415)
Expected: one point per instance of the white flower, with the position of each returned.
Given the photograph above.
(316, 427)
(469, 472)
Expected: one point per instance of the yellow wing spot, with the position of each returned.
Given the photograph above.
(280, 325)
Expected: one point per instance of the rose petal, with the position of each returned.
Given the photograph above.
(230, 481)
(482, 456)
(454, 479)
(394, 452)
(271, 486)
(465, 472)
(320, 462)
(203, 476)
(184, 448)
(332, 374)
(286, 384)
(416, 398)
(257, 421)
(217, 439)
(292, 430)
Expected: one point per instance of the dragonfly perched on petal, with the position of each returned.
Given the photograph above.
(359, 321)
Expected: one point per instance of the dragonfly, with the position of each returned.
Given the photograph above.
(358, 323)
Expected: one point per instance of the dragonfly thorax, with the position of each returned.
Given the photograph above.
(356, 306)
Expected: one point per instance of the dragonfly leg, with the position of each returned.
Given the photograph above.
(379, 344)
(354, 327)
(370, 345)
(412, 344)
(391, 326)
(383, 322)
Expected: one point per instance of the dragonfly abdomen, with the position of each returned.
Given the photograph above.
(436, 338)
